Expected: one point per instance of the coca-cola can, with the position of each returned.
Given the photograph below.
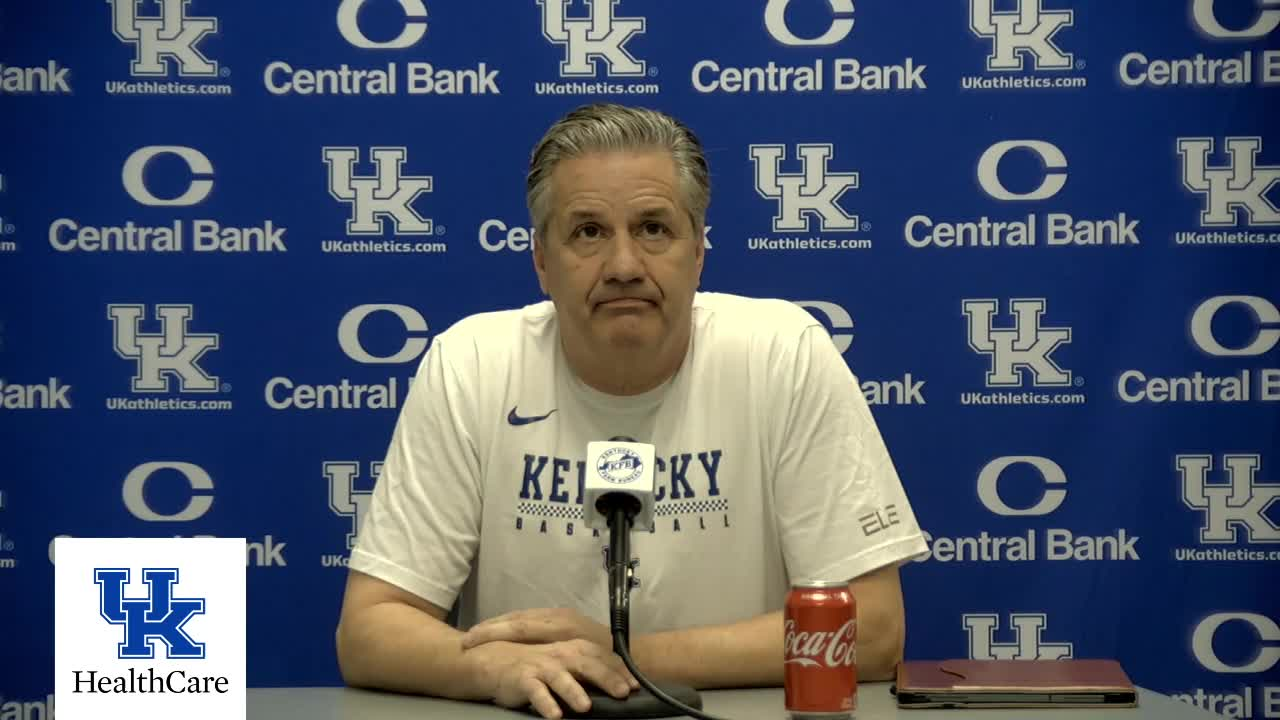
(819, 651)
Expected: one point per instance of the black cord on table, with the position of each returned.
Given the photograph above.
(619, 565)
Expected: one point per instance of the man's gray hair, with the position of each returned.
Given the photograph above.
(608, 126)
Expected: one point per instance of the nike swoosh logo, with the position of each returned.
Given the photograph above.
(515, 419)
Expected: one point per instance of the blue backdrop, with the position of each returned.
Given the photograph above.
(1044, 233)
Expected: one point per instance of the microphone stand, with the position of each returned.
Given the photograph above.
(652, 700)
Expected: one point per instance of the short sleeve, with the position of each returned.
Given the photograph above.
(422, 527)
(841, 509)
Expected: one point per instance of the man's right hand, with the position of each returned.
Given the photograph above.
(515, 674)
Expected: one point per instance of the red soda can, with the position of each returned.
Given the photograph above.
(819, 651)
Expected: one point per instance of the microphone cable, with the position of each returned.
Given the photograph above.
(620, 607)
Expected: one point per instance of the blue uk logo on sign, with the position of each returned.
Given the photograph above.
(156, 619)
(149, 628)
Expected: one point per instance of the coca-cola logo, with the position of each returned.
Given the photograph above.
(820, 648)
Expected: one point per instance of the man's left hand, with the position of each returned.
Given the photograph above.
(542, 625)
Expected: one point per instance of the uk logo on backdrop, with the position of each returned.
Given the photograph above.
(595, 40)
(1022, 356)
(808, 205)
(399, 337)
(149, 628)
(346, 501)
(386, 202)
(1234, 504)
(168, 362)
(1024, 46)
(166, 176)
(169, 50)
(1021, 226)
(1239, 199)
(1028, 638)
(1243, 327)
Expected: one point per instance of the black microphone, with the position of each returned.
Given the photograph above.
(618, 495)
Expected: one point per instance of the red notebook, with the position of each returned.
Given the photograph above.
(1013, 683)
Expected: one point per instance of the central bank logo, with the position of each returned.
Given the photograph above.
(150, 621)
(835, 319)
(164, 42)
(1029, 486)
(134, 174)
(1265, 338)
(775, 21)
(1024, 33)
(415, 25)
(389, 194)
(1241, 503)
(600, 37)
(1018, 353)
(1266, 629)
(173, 354)
(408, 330)
(1244, 384)
(1243, 184)
(838, 323)
(186, 179)
(1027, 228)
(790, 72)
(347, 502)
(813, 193)
(199, 501)
(1246, 66)
(1028, 638)
(1267, 21)
(1053, 159)
(150, 494)
(349, 334)
(1050, 472)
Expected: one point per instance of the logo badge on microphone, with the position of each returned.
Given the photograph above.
(620, 466)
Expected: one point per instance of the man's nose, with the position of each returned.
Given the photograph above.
(624, 263)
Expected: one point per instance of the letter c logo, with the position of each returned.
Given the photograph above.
(1268, 325)
(135, 168)
(1268, 20)
(989, 493)
(1055, 163)
(837, 317)
(1268, 631)
(415, 26)
(135, 485)
(349, 334)
(775, 21)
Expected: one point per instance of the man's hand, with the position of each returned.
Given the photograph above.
(518, 673)
(544, 625)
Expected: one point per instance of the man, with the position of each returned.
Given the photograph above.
(767, 458)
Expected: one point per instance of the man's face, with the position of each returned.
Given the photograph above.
(620, 257)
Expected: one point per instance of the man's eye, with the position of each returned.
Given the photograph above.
(654, 228)
(588, 231)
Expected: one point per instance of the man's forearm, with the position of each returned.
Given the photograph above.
(744, 654)
(393, 646)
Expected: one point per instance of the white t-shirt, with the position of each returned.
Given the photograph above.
(769, 469)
